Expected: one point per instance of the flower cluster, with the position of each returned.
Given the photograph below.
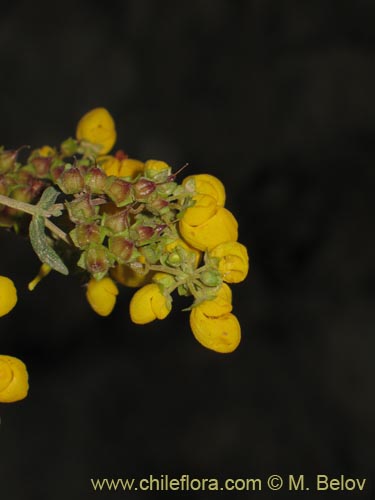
(120, 221)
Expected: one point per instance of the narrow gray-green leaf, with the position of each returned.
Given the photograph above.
(41, 245)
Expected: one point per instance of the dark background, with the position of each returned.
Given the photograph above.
(276, 98)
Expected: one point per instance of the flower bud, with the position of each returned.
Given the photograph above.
(144, 232)
(143, 188)
(121, 248)
(86, 233)
(81, 208)
(158, 206)
(14, 384)
(7, 160)
(56, 170)
(116, 222)
(158, 171)
(71, 180)
(96, 259)
(210, 278)
(102, 295)
(119, 191)
(69, 147)
(42, 165)
(95, 179)
(128, 276)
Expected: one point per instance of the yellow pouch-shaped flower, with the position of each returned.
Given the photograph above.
(8, 295)
(234, 261)
(110, 165)
(147, 304)
(204, 208)
(14, 384)
(221, 334)
(218, 229)
(129, 167)
(221, 304)
(98, 127)
(102, 295)
(206, 184)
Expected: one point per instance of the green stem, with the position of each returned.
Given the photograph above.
(35, 211)
(23, 207)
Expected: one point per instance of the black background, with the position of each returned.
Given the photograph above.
(276, 98)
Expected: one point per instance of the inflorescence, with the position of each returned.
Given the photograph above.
(121, 221)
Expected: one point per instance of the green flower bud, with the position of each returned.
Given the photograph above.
(80, 209)
(116, 222)
(71, 180)
(97, 260)
(69, 147)
(167, 188)
(86, 233)
(210, 278)
(95, 180)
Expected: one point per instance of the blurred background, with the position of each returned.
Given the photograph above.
(276, 98)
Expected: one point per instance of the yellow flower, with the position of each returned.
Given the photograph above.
(218, 229)
(205, 207)
(234, 261)
(148, 303)
(97, 126)
(127, 167)
(206, 184)
(14, 384)
(221, 304)
(8, 295)
(221, 334)
(127, 276)
(102, 295)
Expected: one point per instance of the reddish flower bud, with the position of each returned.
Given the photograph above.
(121, 248)
(56, 171)
(7, 160)
(42, 165)
(145, 232)
(143, 188)
(116, 222)
(71, 180)
(95, 180)
(119, 191)
(97, 260)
